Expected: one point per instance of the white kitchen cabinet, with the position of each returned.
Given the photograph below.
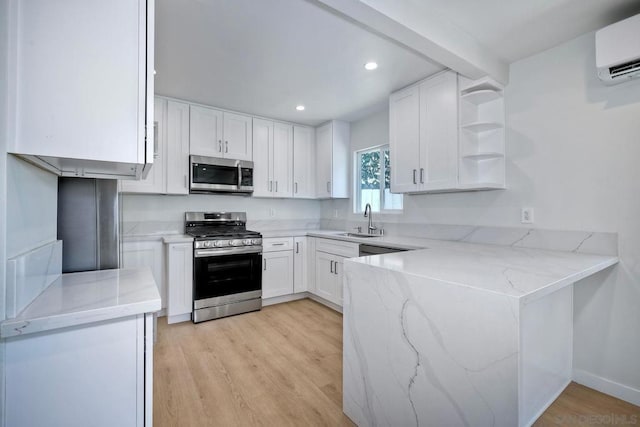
(205, 131)
(304, 164)
(82, 74)
(332, 160)
(424, 135)
(272, 158)
(277, 273)
(329, 261)
(216, 133)
(300, 265)
(99, 374)
(179, 258)
(170, 171)
(147, 253)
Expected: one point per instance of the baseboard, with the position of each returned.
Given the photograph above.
(323, 301)
(179, 318)
(554, 396)
(284, 298)
(621, 391)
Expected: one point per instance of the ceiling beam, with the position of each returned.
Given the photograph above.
(414, 26)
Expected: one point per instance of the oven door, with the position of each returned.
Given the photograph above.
(213, 175)
(226, 276)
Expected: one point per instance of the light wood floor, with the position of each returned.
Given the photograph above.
(282, 366)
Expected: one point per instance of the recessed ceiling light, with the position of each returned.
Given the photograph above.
(371, 66)
(300, 108)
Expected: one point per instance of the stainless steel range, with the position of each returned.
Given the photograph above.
(227, 260)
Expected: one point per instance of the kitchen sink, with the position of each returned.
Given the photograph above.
(359, 235)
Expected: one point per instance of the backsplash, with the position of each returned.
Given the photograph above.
(600, 243)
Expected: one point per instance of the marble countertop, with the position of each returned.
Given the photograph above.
(523, 273)
(81, 298)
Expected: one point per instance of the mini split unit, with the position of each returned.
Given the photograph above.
(618, 51)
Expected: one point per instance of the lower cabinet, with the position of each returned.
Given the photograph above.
(277, 266)
(100, 374)
(179, 258)
(328, 268)
(300, 265)
(147, 253)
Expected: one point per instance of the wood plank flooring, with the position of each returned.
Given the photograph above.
(282, 366)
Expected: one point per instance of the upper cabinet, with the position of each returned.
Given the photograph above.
(332, 160)
(170, 172)
(82, 86)
(439, 140)
(272, 158)
(303, 162)
(216, 133)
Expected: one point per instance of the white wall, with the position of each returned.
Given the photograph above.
(573, 154)
(172, 208)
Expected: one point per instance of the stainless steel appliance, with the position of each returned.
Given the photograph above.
(227, 264)
(214, 175)
(366, 250)
(88, 219)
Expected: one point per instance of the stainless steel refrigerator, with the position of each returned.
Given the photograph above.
(88, 224)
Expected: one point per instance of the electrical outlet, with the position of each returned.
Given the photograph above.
(526, 216)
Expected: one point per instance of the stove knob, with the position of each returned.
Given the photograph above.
(247, 242)
(218, 243)
(208, 244)
(257, 241)
(236, 243)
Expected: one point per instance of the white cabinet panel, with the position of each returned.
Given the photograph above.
(179, 279)
(177, 148)
(262, 158)
(238, 140)
(283, 160)
(277, 274)
(303, 162)
(404, 142)
(60, 378)
(300, 265)
(325, 285)
(205, 131)
(80, 102)
(146, 254)
(332, 160)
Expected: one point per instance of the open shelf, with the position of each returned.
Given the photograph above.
(482, 96)
(483, 156)
(485, 83)
(478, 127)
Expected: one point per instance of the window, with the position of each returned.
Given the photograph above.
(373, 181)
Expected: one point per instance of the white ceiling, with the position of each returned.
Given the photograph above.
(516, 29)
(264, 57)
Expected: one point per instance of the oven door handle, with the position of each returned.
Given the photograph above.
(202, 253)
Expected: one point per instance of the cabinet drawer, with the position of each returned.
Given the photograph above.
(337, 247)
(277, 244)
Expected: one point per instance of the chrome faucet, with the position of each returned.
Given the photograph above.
(370, 228)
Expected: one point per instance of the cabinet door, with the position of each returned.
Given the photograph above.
(146, 254)
(300, 267)
(237, 137)
(325, 285)
(303, 162)
(154, 182)
(277, 274)
(179, 278)
(205, 131)
(324, 140)
(177, 148)
(262, 158)
(283, 160)
(439, 133)
(404, 139)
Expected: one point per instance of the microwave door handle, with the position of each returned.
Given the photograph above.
(239, 176)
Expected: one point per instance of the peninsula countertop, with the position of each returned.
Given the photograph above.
(81, 298)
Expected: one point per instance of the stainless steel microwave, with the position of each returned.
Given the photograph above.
(215, 175)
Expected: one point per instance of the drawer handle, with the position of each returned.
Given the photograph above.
(335, 268)
(331, 266)
(297, 247)
(415, 181)
(277, 244)
(421, 175)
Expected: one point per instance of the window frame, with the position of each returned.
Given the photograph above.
(356, 180)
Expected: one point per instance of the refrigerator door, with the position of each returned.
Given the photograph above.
(88, 224)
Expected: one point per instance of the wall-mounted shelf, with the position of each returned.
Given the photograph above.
(481, 96)
(478, 127)
(483, 156)
(485, 83)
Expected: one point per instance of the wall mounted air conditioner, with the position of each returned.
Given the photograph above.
(618, 51)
